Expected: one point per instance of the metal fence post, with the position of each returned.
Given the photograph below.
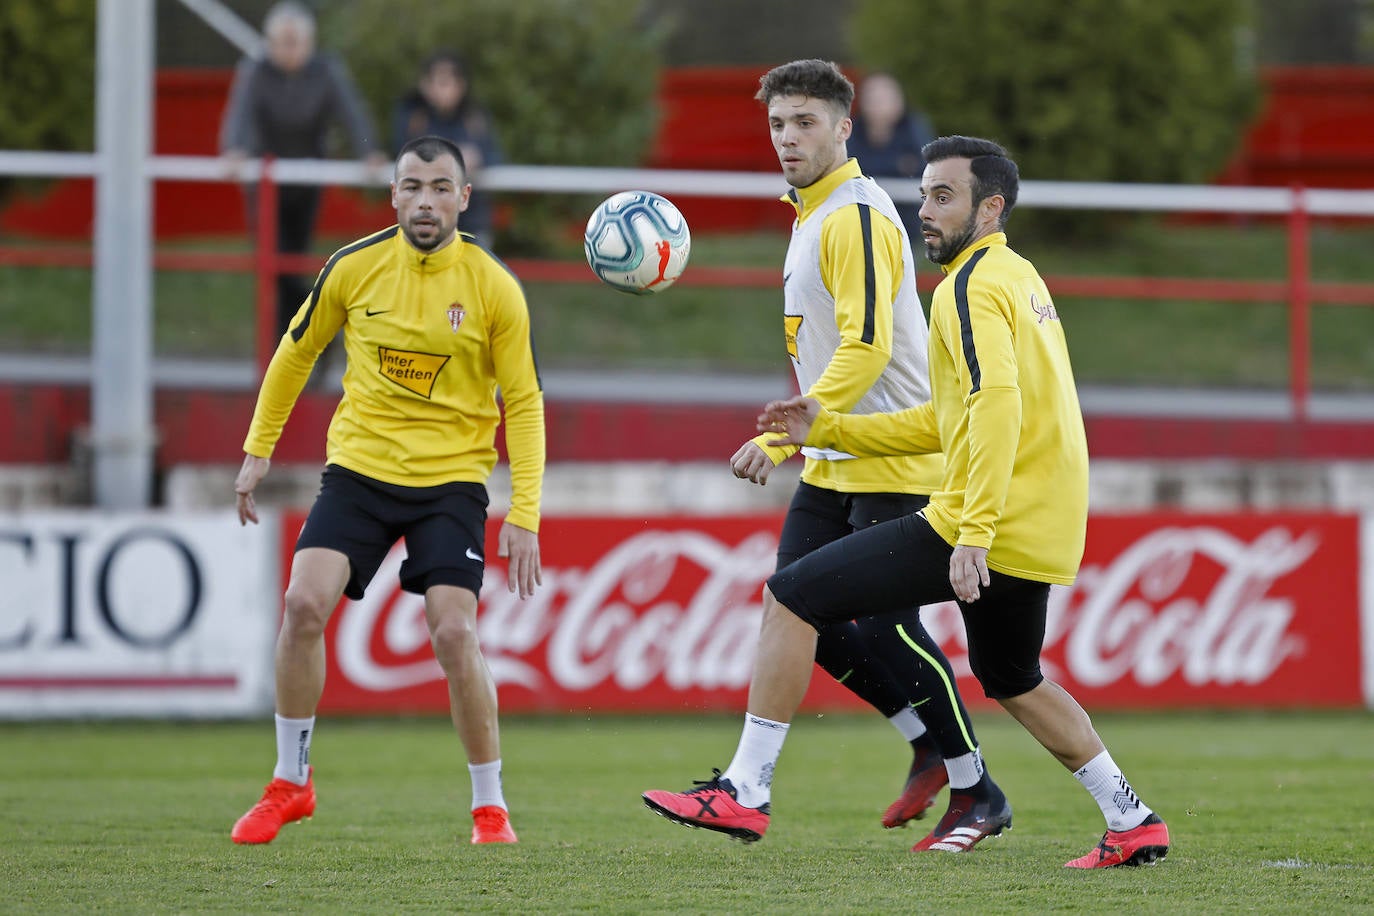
(267, 265)
(1299, 304)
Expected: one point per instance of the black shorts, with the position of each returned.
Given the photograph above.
(817, 516)
(891, 567)
(362, 518)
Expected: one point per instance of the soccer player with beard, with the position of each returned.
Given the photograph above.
(1009, 519)
(857, 338)
(432, 325)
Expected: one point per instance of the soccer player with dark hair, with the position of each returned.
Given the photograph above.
(1008, 521)
(857, 340)
(433, 325)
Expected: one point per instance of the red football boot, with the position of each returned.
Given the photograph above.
(1143, 845)
(282, 802)
(711, 805)
(491, 824)
(924, 781)
(967, 822)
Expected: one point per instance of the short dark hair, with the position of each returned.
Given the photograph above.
(445, 57)
(815, 79)
(430, 147)
(994, 172)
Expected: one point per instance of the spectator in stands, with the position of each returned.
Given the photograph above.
(442, 104)
(284, 104)
(888, 137)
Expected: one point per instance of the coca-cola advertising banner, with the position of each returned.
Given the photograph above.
(662, 614)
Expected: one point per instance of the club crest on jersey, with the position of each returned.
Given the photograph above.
(456, 314)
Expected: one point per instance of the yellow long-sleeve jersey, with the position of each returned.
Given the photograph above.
(1005, 412)
(430, 337)
(853, 325)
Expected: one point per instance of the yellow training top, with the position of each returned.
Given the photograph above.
(854, 327)
(1004, 407)
(430, 336)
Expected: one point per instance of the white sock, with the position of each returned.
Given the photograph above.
(1113, 794)
(751, 772)
(293, 749)
(486, 784)
(908, 723)
(964, 770)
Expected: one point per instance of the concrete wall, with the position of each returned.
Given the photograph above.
(701, 488)
(708, 488)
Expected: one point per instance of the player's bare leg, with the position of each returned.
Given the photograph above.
(737, 802)
(1135, 834)
(318, 578)
(452, 615)
(782, 667)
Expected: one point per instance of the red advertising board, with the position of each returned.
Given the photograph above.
(661, 614)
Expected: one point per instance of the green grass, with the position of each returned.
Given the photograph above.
(1269, 813)
(737, 329)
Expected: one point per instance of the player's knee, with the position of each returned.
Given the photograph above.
(306, 611)
(774, 609)
(455, 642)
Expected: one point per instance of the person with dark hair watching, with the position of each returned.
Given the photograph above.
(442, 104)
(888, 136)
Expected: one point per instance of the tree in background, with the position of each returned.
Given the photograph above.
(567, 83)
(1111, 90)
(47, 71)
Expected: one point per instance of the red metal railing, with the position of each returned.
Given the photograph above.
(1299, 291)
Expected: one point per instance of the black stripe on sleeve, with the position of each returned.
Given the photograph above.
(870, 281)
(965, 325)
(299, 330)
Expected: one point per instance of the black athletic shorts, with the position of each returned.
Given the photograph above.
(817, 516)
(443, 527)
(895, 565)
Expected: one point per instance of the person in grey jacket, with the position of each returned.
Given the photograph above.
(284, 104)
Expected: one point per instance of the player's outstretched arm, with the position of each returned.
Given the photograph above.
(521, 547)
(254, 469)
(912, 431)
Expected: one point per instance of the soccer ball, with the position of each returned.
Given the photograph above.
(637, 242)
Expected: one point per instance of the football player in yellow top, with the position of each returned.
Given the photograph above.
(857, 340)
(1009, 518)
(433, 326)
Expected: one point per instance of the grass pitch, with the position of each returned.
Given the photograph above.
(1269, 813)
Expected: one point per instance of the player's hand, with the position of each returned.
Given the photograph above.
(791, 419)
(968, 568)
(752, 463)
(254, 470)
(521, 547)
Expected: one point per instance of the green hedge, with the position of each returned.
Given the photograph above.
(47, 78)
(571, 82)
(1104, 90)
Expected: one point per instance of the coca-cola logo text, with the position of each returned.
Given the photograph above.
(632, 609)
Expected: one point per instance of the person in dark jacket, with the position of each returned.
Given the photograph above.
(284, 104)
(887, 138)
(442, 105)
